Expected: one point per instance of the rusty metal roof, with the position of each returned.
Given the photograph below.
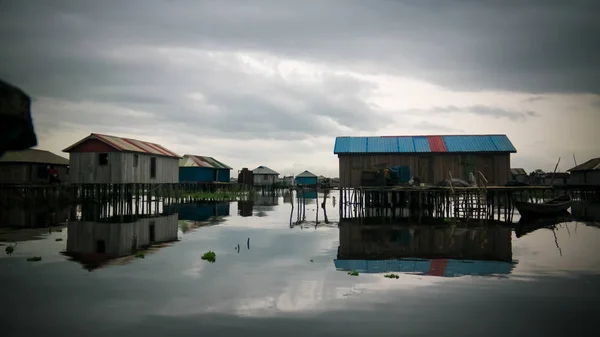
(33, 156)
(423, 144)
(590, 165)
(128, 145)
(518, 171)
(189, 160)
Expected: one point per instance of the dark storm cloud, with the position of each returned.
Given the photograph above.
(480, 110)
(532, 46)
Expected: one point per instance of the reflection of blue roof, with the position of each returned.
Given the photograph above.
(307, 194)
(200, 212)
(422, 266)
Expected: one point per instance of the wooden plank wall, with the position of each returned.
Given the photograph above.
(27, 173)
(496, 167)
(82, 236)
(85, 169)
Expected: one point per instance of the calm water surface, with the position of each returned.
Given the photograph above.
(543, 283)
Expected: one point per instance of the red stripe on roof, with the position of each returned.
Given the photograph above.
(436, 144)
(166, 150)
(134, 144)
(107, 141)
(161, 151)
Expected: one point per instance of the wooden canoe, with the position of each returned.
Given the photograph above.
(555, 206)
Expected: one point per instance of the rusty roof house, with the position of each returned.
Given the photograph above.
(203, 169)
(586, 174)
(430, 158)
(31, 166)
(103, 159)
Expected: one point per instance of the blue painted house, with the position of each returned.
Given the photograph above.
(431, 159)
(203, 169)
(306, 178)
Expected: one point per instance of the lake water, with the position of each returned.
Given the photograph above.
(275, 276)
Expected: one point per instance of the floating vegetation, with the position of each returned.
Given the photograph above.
(140, 255)
(58, 239)
(353, 273)
(391, 276)
(34, 259)
(10, 249)
(216, 196)
(210, 256)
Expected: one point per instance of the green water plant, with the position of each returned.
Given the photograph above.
(140, 255)
(353, 273)
(391, 276)
(210, 256)
(58, 239)
(34, 259)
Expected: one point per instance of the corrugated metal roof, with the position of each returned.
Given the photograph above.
(423, 144)
(33, 156)
(307, 174)
(264, 170)
(590, 165)
(202, 161)
(128, 145)
(518, 171)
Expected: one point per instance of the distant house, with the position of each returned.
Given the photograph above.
(556, 179)
(103, 159)
(519, 175)
(264, 176)
(306, 178)
(31, 166)
(587, 173)
(203, 169)
(428, 158)
(287, 181)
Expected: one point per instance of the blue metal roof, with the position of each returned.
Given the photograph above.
(423, 144)
(422, 266)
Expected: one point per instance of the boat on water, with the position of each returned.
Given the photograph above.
(528, 225)
(555, 206)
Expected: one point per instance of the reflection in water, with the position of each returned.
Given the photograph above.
(194, 215)
(438, 251)
(34, 217)
(264, 203)
(94, 243)
(586, 211)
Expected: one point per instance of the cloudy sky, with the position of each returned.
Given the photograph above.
(273, 82)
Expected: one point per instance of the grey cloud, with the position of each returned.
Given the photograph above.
(426, 125)
(532, 46)
(483, 110)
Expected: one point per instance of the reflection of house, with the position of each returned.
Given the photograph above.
(245, 207)
(429, 158)
(33, 217)
(102, 159)
(519, 175)
(368, 248)
(94, 243)
(306, 178)
(198, 211)
(586, 211)
(31, 166)
(264, 203)
(587, 173)
(202, 169)
(264, 176)
(287, 197)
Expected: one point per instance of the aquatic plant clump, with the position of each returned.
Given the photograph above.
(391, 276)
(210, 256)
(34, 259)
(353, 273)
(140, 255)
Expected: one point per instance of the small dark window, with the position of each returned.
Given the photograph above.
(68, 169)
(102, 159)
(152, 231)
(42, 172)
(266, 177)
(101, 247)
(136, 160)
(152, 168)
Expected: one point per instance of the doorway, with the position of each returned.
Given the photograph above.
(425, 169)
